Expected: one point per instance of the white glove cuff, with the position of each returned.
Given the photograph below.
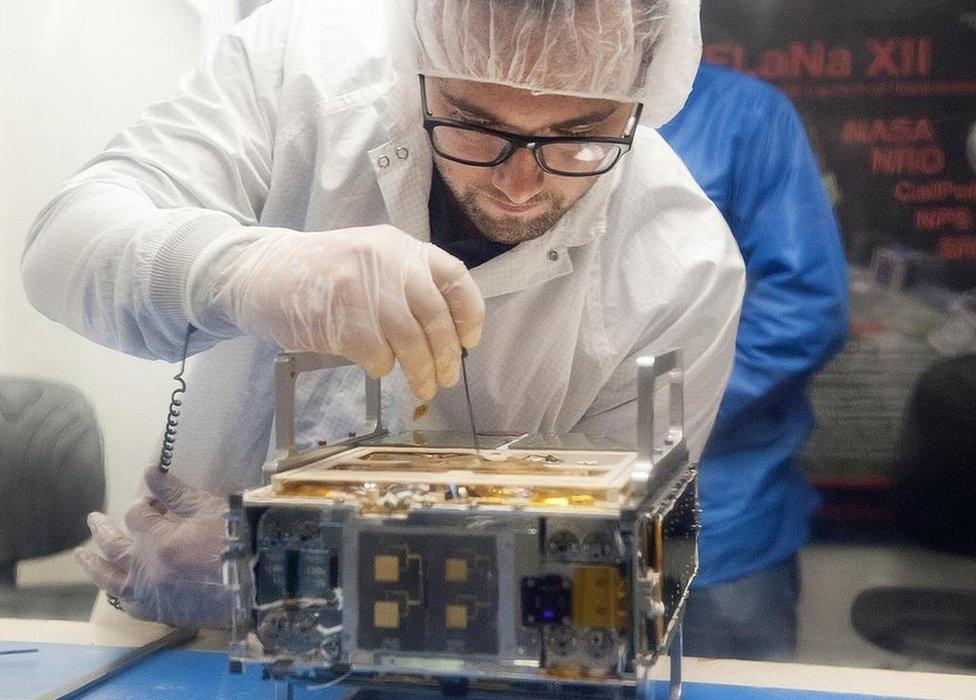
(203, 281)
(172, 265)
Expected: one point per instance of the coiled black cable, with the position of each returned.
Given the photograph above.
(173, 416)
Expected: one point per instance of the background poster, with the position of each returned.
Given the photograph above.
(887, 90)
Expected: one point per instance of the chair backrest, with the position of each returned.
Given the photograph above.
(52, 470)
(935, 469)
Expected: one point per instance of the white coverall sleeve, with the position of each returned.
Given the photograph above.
(109, 257)
(703, 328)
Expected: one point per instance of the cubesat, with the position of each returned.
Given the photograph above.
(541, 564)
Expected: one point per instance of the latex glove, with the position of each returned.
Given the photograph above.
(374, 295)
(168, 569)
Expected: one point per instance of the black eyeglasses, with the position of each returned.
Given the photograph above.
(568, 156)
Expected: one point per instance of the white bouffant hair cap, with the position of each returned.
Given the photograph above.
(624, 50)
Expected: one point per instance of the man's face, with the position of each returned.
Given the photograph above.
(516, 200)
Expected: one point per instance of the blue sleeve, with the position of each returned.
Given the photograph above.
(794, 315)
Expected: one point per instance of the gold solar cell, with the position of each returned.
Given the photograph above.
(456, 570)
(386, 614)
(386, 568)
(456, 617)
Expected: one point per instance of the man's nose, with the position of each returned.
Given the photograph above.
(519, 178)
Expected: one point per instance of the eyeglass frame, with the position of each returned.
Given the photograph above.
(533, 144)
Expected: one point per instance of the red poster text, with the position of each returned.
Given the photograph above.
(934, 191)
(907, 160)
(935, 218)
(900, 131)
(895, 57)
(957, 247)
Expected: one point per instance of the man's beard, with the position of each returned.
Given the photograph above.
(512, 229)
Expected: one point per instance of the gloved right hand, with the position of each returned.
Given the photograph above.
(374, 295)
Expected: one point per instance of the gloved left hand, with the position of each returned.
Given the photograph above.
(168, 569)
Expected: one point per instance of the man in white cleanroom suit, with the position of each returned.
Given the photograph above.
(302, 191)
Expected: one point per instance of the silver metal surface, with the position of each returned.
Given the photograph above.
(656, 465)
(287, 368)
(444, 438)
(566, 441)
(676, 650)
(647, 689)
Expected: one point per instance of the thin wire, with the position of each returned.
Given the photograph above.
(173, 416)
(331, 683)
(467, 395)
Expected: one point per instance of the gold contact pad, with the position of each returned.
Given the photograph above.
(386, 614)
(386, 568)
(456, 617)
(456, 570)
(599, 596)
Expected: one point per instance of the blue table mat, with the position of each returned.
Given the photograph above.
(190, 675)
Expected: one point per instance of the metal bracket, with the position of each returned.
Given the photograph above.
(656, 464)
(647, 689)
(288, 366)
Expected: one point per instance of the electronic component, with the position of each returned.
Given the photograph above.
(577, 540)
(427, 592)
(599, 597)
(545, 600)
(296, 569)
(297, 555)
(563, 545)
(676, 550)
(298, 629)
(580, 651)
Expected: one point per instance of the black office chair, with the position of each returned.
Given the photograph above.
(52, 474)
(934, 505)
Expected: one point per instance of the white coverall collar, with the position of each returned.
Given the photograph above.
(546, 257)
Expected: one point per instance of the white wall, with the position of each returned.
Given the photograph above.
(72, 74)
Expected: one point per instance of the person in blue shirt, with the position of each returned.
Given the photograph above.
(744, 143)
